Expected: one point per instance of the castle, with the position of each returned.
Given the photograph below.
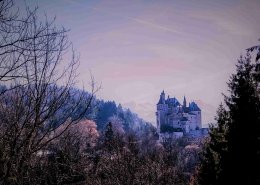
(176, 120)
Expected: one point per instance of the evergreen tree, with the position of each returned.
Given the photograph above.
(244, 132)
(232, 154)
(109, 137)
(214, 152)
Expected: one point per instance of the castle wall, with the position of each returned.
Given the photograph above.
(199, 120)
(193, 121)
(187, 127)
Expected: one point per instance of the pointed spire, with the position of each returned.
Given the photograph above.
(184, 102)
(163, 97)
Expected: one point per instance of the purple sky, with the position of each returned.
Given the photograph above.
(137, 48)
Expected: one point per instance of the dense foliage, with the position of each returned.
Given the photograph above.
(106, 110)
(116, 159)
(103, 112)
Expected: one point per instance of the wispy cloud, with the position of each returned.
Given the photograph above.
(138, 20)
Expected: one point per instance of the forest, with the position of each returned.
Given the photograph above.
(52, 132)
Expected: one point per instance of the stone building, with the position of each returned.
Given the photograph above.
(175, 119)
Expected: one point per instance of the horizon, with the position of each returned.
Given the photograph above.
(138, 49)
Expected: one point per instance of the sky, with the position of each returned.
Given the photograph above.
(137, 48)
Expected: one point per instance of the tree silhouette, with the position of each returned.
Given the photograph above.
(232, 153)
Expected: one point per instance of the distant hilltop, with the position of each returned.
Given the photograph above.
(176, 120)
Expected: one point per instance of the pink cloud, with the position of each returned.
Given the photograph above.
(154, 67)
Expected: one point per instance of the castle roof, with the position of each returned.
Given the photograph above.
(173, 101)
(194, 107)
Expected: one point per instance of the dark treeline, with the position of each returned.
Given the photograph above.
(103, 112)
(108, 111)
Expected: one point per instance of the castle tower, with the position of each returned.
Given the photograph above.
(161, 112)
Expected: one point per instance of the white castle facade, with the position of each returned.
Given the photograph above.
(176, 120)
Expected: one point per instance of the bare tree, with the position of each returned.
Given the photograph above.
(40, 97)
(17, 34)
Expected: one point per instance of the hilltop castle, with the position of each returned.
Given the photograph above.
(176, 120)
